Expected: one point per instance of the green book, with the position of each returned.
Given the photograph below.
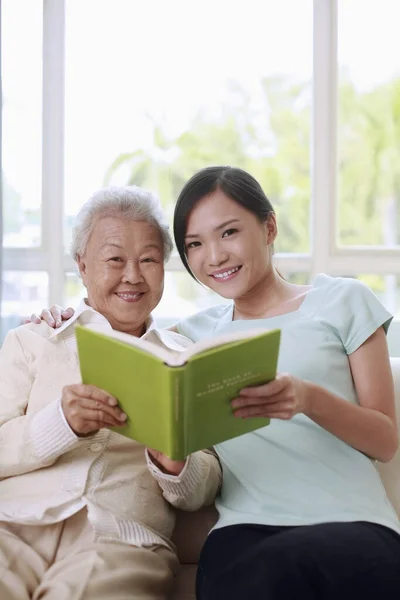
(178, 399)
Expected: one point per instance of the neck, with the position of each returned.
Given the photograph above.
(132, 328)
(139, 331)
(267, 296)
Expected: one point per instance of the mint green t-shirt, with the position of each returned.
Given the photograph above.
(295, 472)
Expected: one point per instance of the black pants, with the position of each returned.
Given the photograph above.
(341, 561)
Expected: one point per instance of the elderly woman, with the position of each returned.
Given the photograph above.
(82, 515)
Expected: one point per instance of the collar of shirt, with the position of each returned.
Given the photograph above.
(86, 315)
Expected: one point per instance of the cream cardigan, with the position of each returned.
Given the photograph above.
(48, 474)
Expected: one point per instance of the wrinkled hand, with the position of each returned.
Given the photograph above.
(281, 398)
(53, 316)
(88, 409)
(166, 464)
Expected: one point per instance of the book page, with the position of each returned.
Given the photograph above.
(222, 340)
(175, 342)
(175, 349)
(152, 346)
(164, 344)
(181, 348)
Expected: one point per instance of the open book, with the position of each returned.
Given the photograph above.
(177, 394)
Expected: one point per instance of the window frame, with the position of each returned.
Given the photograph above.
(325, 253)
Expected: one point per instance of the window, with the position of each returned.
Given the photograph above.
(369, 123)
(292, 91)
(159, 101)
(23, 293)
(22, 115)
(152, 117)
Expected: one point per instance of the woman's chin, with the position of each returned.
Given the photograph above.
(227, 290)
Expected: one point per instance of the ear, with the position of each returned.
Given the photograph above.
(271, 228)
(82, 267)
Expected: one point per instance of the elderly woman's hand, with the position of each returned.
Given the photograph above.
(166, 464)
(282, 398)
(88, 409)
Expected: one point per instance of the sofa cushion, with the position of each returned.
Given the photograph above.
(191, 531)
(184, 584)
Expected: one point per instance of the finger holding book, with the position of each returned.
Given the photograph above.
(282, 398)
(88, 409)
(166, 464)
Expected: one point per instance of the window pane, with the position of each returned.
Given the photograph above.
(301, 278)
(369, 122)
(151, 100)
(21, 48)
(74, 290)
(23, 292)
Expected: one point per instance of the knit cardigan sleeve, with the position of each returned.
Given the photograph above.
(198, 484)
(28, 440)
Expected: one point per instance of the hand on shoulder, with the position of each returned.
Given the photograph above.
(53, 316)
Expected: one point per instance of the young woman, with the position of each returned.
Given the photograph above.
(302, 510)
(303, 513)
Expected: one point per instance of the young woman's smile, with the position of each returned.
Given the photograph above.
(226, 274)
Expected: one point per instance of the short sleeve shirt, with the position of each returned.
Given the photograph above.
(295, 472)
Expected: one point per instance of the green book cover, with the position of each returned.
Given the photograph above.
(178, 402)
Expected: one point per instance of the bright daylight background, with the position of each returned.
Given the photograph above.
(155, 90)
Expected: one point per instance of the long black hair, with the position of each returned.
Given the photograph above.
(235, 183)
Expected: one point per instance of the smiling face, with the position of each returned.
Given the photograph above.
(123, 271)
(227, 247)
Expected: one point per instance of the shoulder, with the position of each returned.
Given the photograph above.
(350, 307)
(325, 282)
(336, 290)
(30, 337)
(32, 330)
(203, 323)
(344, 300)
(24, 343)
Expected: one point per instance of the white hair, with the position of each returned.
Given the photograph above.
(128, 202)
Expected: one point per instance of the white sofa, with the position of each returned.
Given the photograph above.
(390, 472)
(192, 528)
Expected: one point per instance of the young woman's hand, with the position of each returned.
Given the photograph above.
(281, 398)
(166, 464)
(88, 409)
(53, 316)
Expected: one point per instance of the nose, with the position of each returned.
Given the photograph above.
(216, 255)
(132, 273)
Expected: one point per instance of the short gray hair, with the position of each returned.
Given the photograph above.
(128, 202)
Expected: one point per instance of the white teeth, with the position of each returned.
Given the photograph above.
(128, 296)
(226, 274)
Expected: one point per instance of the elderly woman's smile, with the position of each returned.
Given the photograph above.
(123, 271)
(130, 296)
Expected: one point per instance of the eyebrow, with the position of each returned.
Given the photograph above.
(224, 224)
(107, 244)
(113, 245)
(155, 246)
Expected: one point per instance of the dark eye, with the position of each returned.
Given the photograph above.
(115, 259)
(229, 232)
(148, 260)
(193, 245)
